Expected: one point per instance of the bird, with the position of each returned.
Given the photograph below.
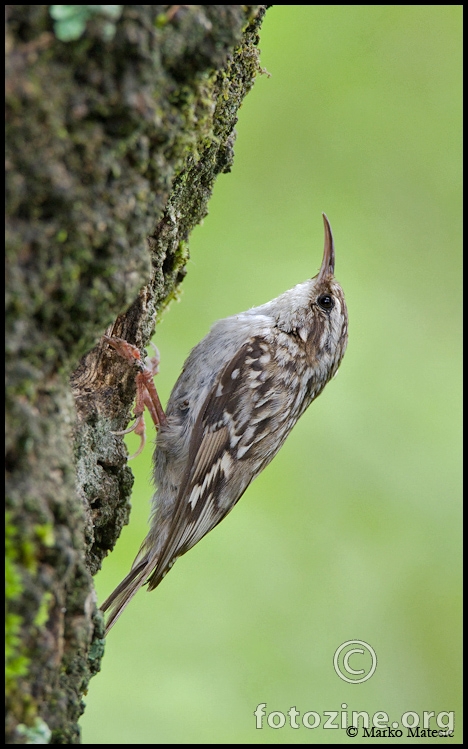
(241, 391)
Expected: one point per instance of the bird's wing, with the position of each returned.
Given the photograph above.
(229, 445)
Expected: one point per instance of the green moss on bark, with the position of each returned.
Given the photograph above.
(113, 147)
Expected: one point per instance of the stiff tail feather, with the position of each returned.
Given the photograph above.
(123, 594)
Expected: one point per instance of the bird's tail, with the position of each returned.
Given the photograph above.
(123, 594)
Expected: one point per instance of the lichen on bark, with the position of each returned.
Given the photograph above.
(113, 147)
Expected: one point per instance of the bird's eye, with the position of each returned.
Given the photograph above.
(326, 301)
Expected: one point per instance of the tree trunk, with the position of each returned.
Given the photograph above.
(116, 130)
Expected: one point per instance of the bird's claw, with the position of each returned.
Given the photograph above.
(146, 393)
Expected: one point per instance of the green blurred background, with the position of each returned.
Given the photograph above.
(353, 532)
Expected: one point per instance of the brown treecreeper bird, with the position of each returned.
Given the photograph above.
(241, 391)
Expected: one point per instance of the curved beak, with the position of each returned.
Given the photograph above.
(328, 263)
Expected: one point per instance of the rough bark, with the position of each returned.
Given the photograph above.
(113, 146)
